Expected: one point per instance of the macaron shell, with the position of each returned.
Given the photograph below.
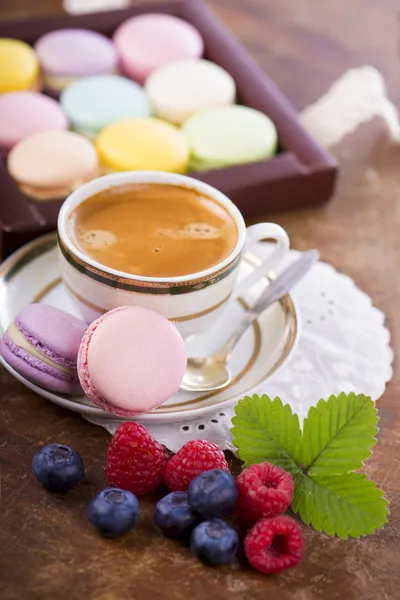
(40, 194)
(54, 85)
(143, 367)
(146, 42)
(25, 113)
(36, 371)
(73, 160)
(54, 332)
(199, 165)
(229, 135)
(76, 53)
(181, 89)
(94, 102)
(19, 67)
(143, 144)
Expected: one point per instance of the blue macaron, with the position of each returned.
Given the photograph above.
(94, 102)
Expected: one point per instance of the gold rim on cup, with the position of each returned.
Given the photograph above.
(146, 287)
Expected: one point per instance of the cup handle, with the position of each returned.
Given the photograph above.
(254, 234)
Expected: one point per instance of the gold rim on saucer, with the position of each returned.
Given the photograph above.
(34, 250)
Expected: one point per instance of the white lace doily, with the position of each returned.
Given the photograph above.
(343, 346)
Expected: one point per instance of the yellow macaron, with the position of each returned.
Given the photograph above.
(19, 67)
(142, 144)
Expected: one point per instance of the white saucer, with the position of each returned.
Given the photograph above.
(32, 275)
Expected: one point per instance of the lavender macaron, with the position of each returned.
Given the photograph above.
(66, 55)
(42, 345)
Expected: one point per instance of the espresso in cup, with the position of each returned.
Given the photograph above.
(162, 241)
(154, 230)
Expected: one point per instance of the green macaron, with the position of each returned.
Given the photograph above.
(229, 135)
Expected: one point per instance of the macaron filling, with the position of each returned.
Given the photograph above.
(34, 362)
(42, 345)
(52, 82)
(52, 193)
(21, 336)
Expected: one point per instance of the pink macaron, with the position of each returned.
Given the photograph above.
(24, 113)
(131, 360)
(149, 41)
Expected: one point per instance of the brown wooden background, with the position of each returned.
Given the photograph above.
(47, 549)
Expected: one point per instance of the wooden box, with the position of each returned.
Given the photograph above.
(301, 174)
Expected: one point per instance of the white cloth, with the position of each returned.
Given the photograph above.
(355, 98)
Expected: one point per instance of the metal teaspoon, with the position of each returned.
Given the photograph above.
(212, 373)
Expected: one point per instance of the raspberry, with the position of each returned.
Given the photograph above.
(135, 460)
(195, 457)
(274, 545)
(265, 490)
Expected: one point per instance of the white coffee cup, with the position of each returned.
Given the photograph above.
(193, 302)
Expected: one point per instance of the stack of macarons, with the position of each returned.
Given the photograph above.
(145, 99)
(127, 362)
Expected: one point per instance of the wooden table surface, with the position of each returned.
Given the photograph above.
(47, 549)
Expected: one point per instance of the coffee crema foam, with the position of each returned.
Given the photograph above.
(154, 230)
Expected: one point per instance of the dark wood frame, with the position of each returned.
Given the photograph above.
(301, 174)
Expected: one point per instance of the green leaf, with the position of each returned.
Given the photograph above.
(345, 505)
(338, 434)
(337, 437)
(267, 430)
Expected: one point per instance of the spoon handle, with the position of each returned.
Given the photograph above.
(274, 292)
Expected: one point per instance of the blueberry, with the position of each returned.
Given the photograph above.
(58, 468)
(173, 516)
(214, 542)
(114, 512)
(212, 494)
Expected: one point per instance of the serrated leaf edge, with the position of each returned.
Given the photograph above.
(271, 401)
(309, 522)
(306, 474)
(331, 398)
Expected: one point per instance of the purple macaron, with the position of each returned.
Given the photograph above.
(67, 54)
(42, 345)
